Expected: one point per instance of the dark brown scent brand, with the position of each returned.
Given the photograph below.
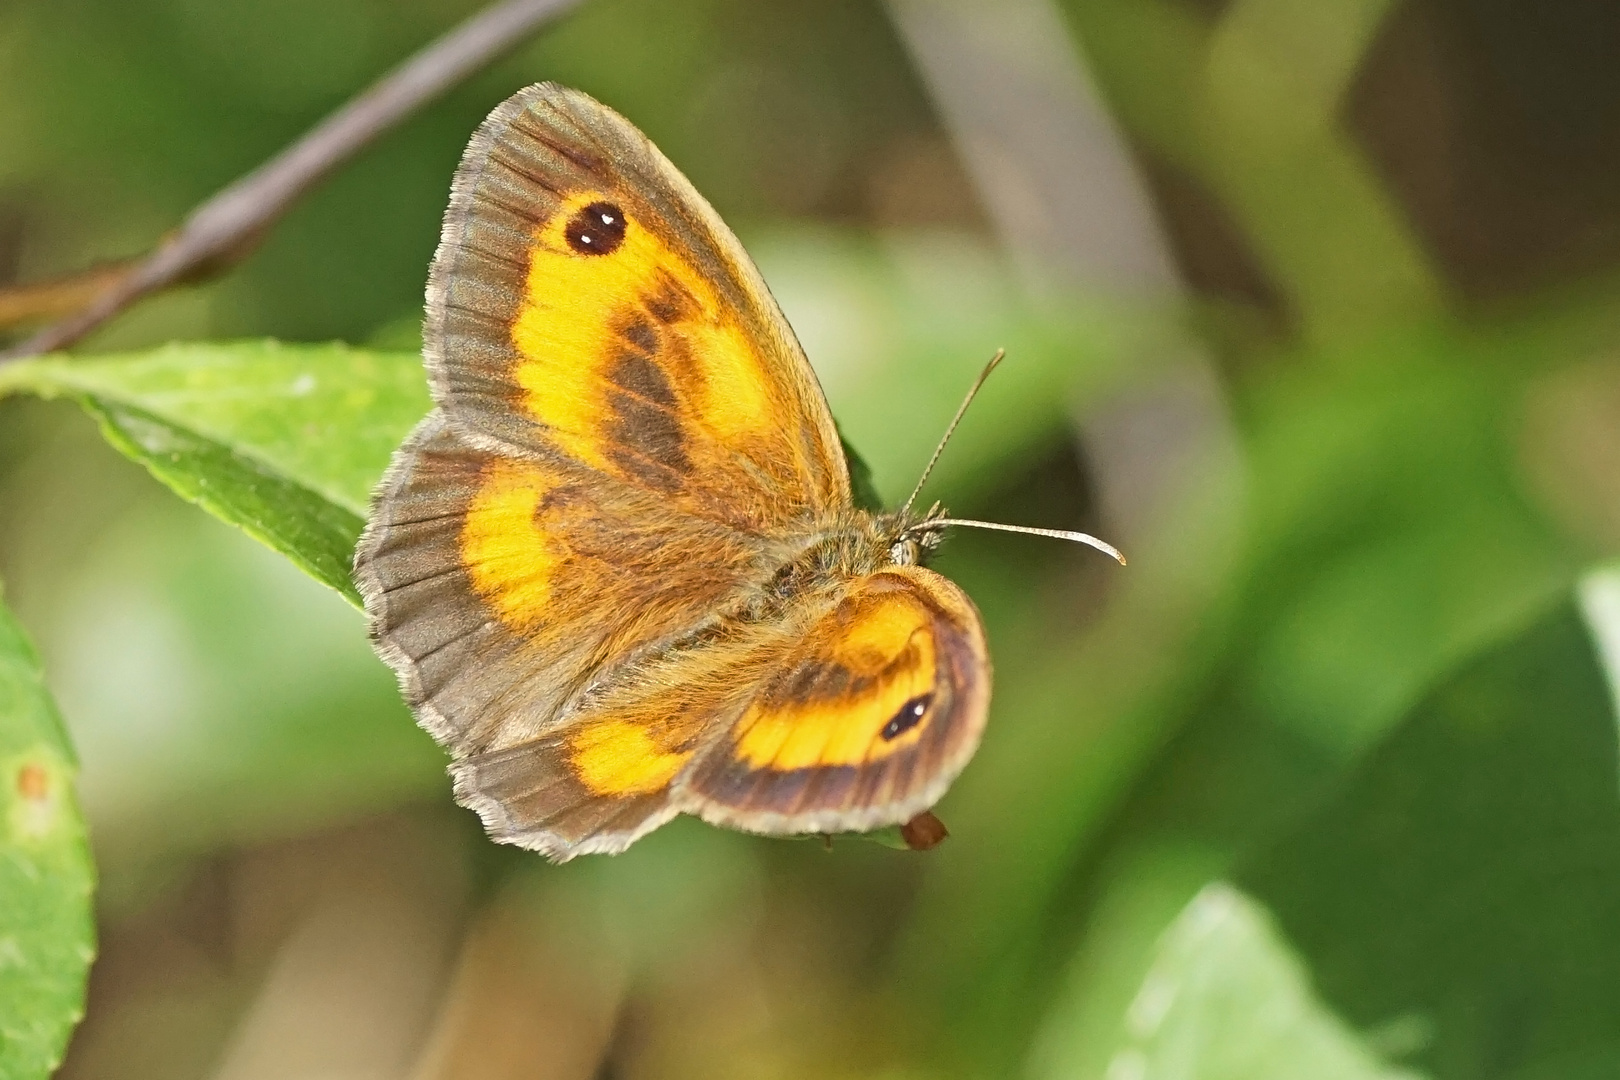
(598, 229)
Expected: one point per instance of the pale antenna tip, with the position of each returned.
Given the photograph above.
(1057, 534)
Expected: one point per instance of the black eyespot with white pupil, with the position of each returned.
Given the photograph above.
(597, 229)
(909, 716)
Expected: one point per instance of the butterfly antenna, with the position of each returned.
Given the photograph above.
(1057, 534)
(931, 523)
(957, 419)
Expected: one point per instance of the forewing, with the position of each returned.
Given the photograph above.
(863, 722)
(587, 303)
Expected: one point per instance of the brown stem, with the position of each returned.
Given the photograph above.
(222, 231)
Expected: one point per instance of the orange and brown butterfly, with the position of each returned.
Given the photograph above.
(618, 569)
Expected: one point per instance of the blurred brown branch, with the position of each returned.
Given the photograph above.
(224, 230)
(54, 298)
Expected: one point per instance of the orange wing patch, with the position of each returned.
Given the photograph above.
(633, 365)
(617, 757)
(861, 692)
(637, 733)
(556, 562)
(510, 559)
(586, 303)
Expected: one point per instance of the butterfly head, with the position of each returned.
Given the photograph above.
(914, 539)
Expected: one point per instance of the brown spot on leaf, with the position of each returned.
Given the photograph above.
(33, 783)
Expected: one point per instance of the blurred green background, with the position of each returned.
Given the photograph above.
(1312, 307)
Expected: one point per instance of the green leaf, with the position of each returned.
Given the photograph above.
(316, 534)
(219, 696)
(324, 416)
(1464, 882)
(47, 933)
(283, 441)
(1226, 998)
(1386, 540)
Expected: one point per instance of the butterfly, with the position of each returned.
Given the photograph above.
(618, 569)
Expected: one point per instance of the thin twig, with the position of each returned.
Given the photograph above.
(221, 231)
